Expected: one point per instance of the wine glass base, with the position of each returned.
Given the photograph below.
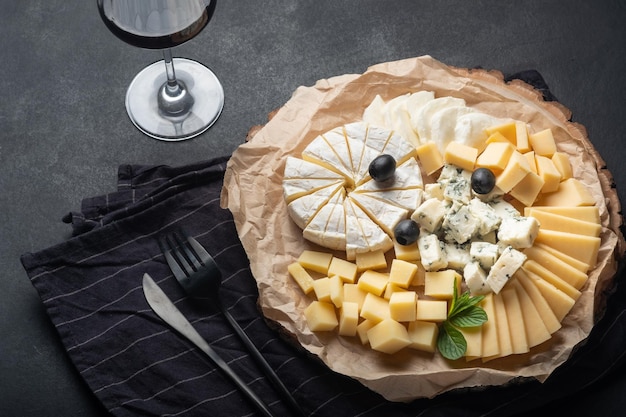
(202, 84)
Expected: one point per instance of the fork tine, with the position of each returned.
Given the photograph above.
(183, 251)
(199, 250)
(173, 261)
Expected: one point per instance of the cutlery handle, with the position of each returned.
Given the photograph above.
(274, 379)
(258, 402)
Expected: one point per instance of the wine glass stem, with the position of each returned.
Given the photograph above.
(174, 98)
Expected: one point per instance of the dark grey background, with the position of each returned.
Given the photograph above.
(64, 129)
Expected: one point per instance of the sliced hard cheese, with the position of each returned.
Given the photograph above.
(527, 190)
(536, 330)
(549, 174)
(515, 316)
(490, 344)
(559, 302)
(583, 248)
(549, 261)
(551, 221)
(320, 316)
(315, 260)
(388, 336)
(575, 263)
(571, 193)
(583, 213)
(460, 155)
(301, 276)
(559, 282)
(423, 335)
(504, 331)
(551, 322)
(430, 157)
(348, 319)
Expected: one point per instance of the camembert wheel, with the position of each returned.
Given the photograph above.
(331, 196)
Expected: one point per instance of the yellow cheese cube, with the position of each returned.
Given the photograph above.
(583, 213)
(532, 267)
(508, 130)
(583, 248)
(528, 189)
(402, 272)
(549, 174)
(543, 308)
(571, 193)
(420, 275)
(430, 158)
(562, 163)
(371, 260)
(346, 270)
(543, 143)
(516, 169)
(536, 330)
(532, 163)
(571, 275)
(423, 335)
(432, 310)
(495, 156)
(353, 294)
(496, 137)
(321, 316)
(406, 252)
(559, 302)
(403, 305)
(321, 286)
(490, 345)
(348, 319)
(461, 155)
(388, 336)
(521, 135)
(373, 282)
(336, 290)
(516, 320)
(440, 284)
(301, 276)
(362, 329)
(315, 261)
(390, 289)
(552, 221)
(375, 308)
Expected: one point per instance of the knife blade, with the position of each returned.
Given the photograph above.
(170, 314)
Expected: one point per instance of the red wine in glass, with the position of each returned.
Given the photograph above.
(173, 99)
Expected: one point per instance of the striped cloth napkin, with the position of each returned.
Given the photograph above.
(136, 365)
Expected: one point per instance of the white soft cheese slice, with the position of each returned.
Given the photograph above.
(397, 117)
(470, 128)
(373, 113)
(297, 187)
(320, 152)
(443, 125)
(299, 168)
(362, 233)
(414, 103)
(324, 228)
(385, 214)
(422, 119)
(301, 210)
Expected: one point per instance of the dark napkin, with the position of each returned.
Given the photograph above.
(137, 366)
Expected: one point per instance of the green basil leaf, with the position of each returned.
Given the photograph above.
(450, 342)
(472, 316)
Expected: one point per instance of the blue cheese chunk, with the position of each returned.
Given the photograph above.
(489, 219)
(475, 279)
(484, 253)
(456, 184)
(507, 264)
(518, 232)
(429, 215)
(457, 255)
(432, 256)
(459, 225)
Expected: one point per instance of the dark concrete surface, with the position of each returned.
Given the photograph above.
(64, 130)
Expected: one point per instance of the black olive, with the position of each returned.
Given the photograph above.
(483, 181)
(406, 232)
(382, 168)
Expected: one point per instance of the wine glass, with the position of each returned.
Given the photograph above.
(173, 99)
